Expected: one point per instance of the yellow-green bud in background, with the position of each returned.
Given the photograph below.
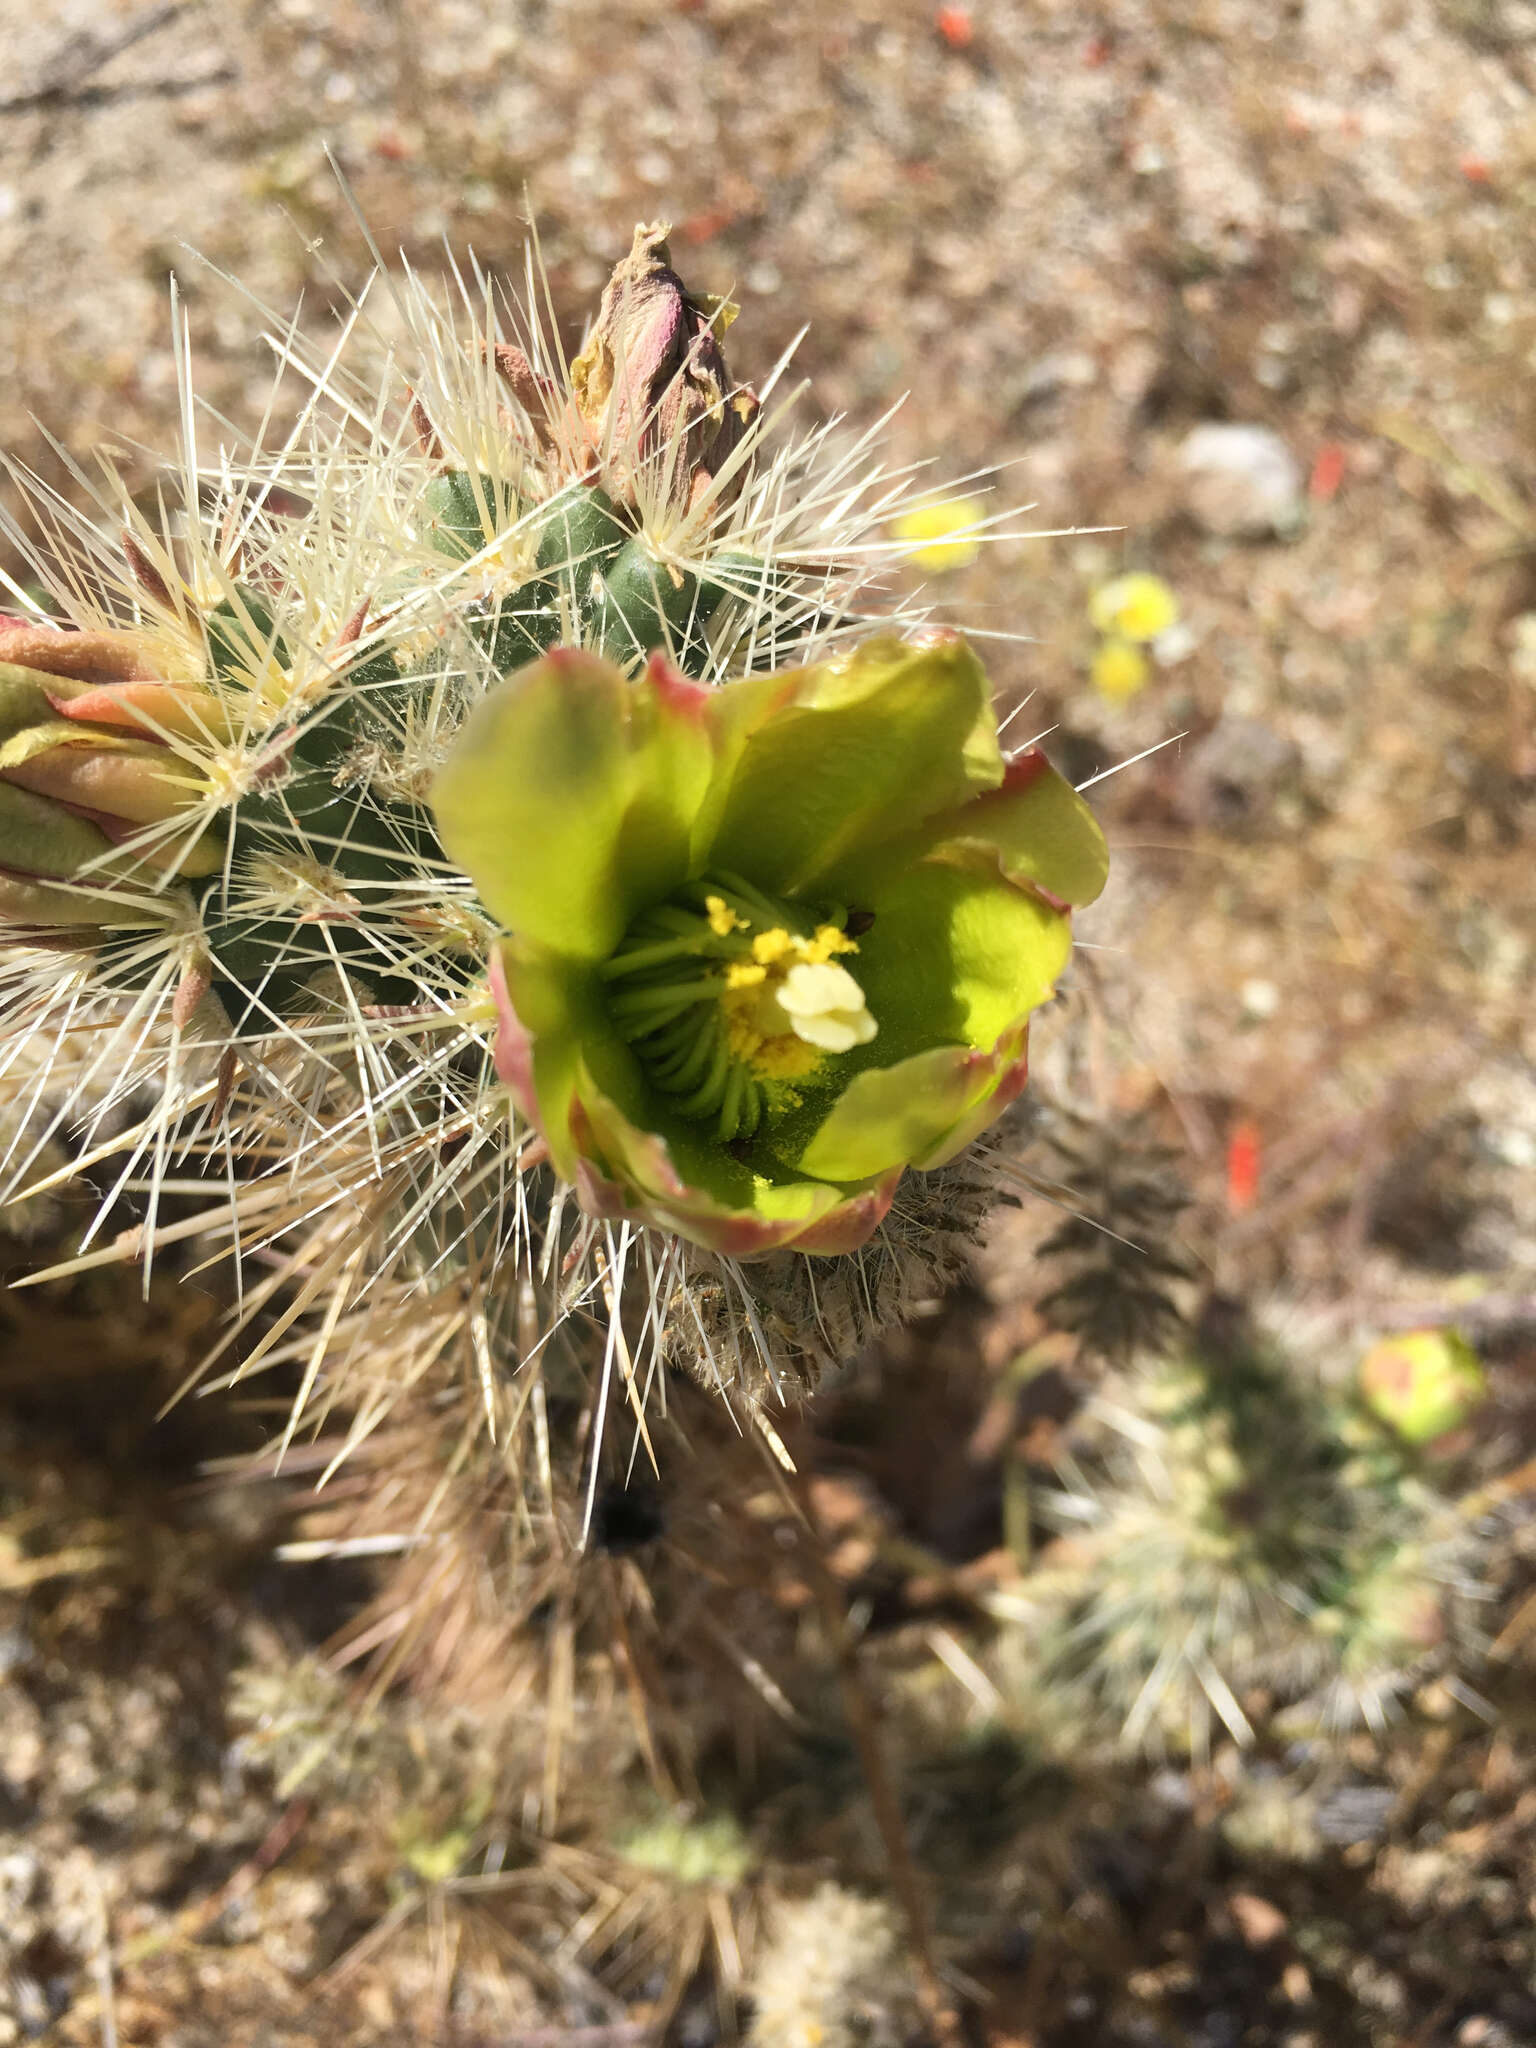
(1423, 1384)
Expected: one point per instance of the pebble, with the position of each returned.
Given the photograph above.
(1228, 782)
(1354, 1813)
(1240, 482)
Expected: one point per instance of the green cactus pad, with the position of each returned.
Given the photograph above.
(316, 810)
(641, 604)
(517, 628)
(581, 535)
(242, 637)
(454, 509)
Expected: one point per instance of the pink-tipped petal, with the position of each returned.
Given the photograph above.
(512, 1050)
(1009, 1060)
(152, 710)
(679, 696)
(845, 1229)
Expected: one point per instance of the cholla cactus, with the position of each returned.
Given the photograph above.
(830, 1973)
(1246, 1535)
(221, 867)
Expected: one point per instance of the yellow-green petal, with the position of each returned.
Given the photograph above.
(1039, 829)
(1035, 826)
(890, 1116)
(698, 1191)
(570, 797)
(956, 956)
(840, 758)
(545, 1004)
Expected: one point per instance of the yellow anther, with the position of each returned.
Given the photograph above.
(777, 947)
(828, 942)
(780, 1021)
(722, 919)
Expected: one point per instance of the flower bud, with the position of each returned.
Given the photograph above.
(652, 386)
(85, 759)
(1423, 1384)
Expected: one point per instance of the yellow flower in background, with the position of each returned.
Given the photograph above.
(1136, 607)
(948, 529)
(1119, 669)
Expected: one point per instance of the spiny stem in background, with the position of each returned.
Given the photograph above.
(1238, 1532)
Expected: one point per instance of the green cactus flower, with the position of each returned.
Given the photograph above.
(766, 945)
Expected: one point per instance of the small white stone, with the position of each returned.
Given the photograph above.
(1242, 481)
(1260, 999)
(1515, 1148)
(1522, 654)
(1174, 645)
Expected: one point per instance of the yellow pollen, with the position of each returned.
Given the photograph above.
(722, 919)
(779, 948)
(779, 1057)
(828, 942)
(779, 1022)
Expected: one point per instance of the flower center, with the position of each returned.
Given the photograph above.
(730, 997)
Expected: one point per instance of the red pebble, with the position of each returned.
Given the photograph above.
(955, 25)
(703, 227)
(1328, 466)
(1244, 1151)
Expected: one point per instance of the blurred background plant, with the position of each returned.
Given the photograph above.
(369, 1762)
